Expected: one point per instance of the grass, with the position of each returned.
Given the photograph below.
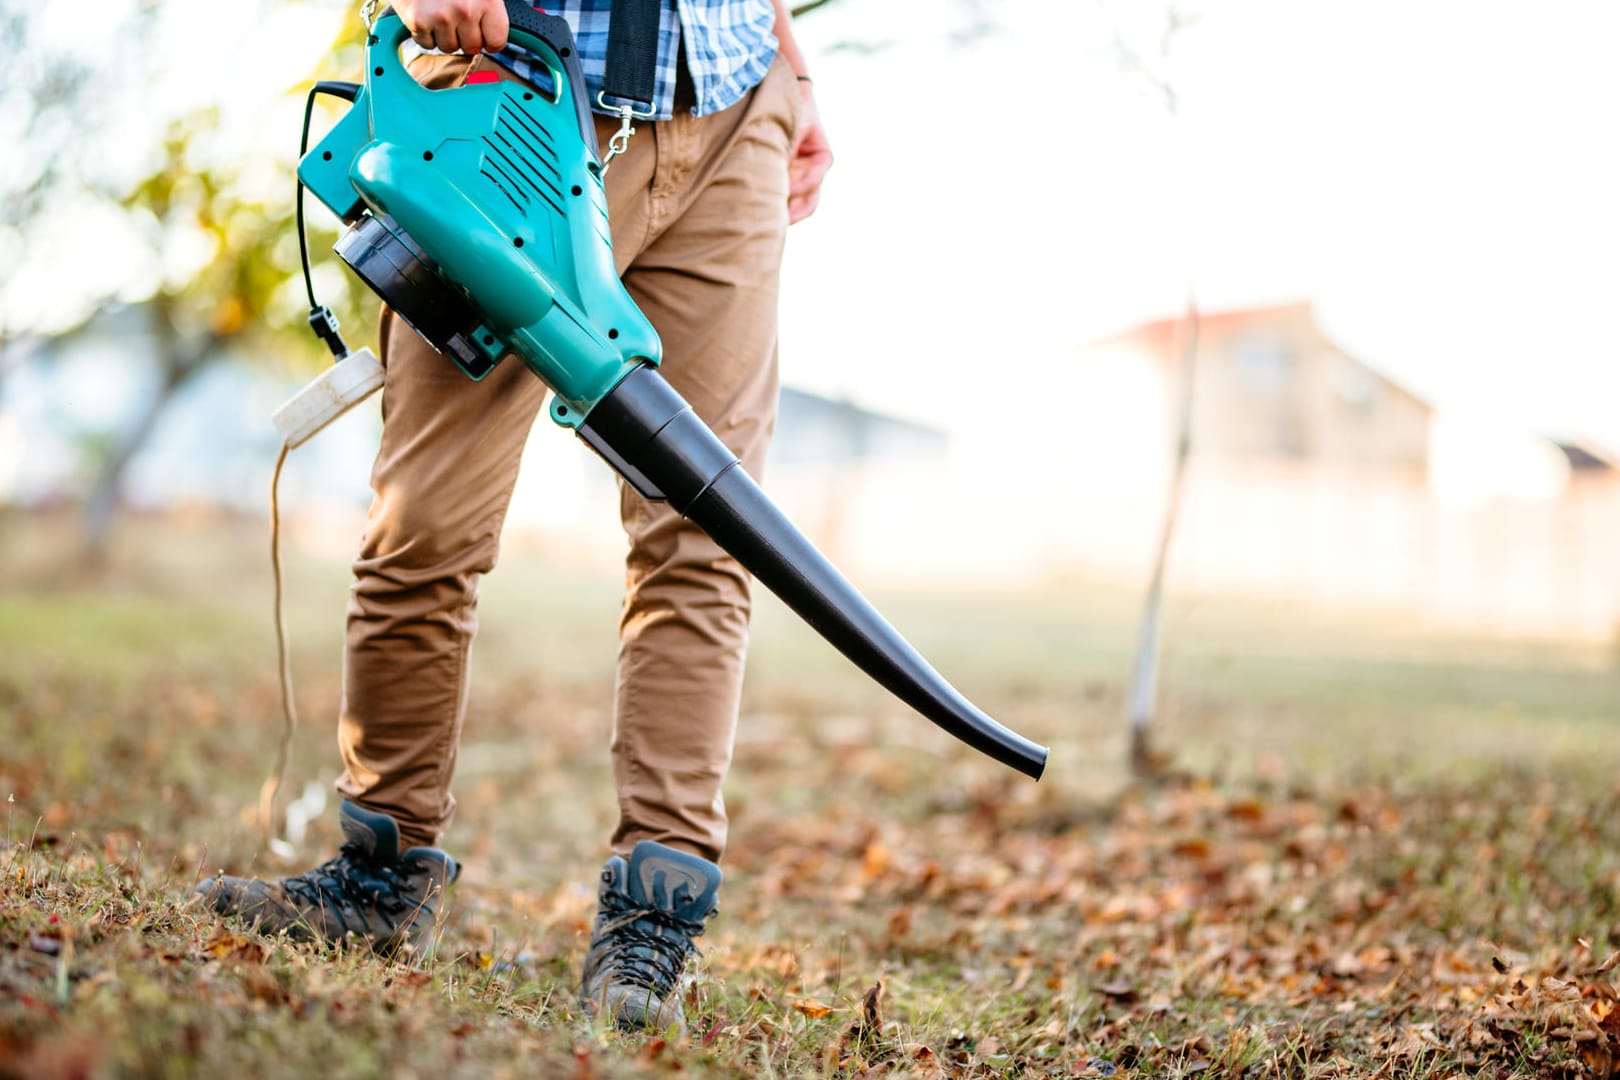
(1380, 850)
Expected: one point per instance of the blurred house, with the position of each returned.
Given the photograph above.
(1269, 385)
(813, 431)
(828, 455)
(1586, 461)
(1315, 477)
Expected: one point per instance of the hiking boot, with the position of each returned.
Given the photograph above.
(648, 911)
(370, 890)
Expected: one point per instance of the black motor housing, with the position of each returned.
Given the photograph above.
(398, 270)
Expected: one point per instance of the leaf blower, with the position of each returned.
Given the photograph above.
(478, 214)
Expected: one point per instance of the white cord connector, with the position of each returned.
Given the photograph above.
(340, 388)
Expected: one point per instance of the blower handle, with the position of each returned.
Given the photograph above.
(554, 32)
(552, 29)
(551, 32)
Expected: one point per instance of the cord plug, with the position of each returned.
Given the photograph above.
(325, 325)
(337, 390)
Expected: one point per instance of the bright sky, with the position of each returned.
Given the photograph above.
(1440, 178)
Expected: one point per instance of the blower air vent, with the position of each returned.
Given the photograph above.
(521, 161)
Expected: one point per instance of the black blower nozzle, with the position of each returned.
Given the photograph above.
(648, 432)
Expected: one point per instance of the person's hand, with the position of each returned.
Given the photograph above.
(809, 159)
(468, 26)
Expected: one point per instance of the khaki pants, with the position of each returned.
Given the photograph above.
(699, 213)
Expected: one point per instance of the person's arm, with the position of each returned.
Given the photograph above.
(811, 155)
(469, 26)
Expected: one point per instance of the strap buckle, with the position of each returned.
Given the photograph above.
(628, 115)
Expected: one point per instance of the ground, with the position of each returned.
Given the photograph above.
(1377, 849)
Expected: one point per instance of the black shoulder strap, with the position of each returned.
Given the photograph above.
(632, 51)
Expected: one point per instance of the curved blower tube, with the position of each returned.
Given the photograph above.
(652, 437)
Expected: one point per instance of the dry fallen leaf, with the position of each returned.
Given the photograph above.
(1607, 965)
(1247, 810)
(1555, 989)
(650, 1052)
(225, 945)
(874, 861)
(871, 1016)
(812, 1008)
(868, 1022)
(923, 1061)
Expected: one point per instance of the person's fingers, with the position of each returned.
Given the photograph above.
(802, 206)
(808, 165)
(472, 39)
(447, 38)
(493, 28)
(808, 172)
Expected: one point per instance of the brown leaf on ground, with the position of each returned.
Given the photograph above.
(868, 1023)
(225, 945)
(1560, 990)
(659, 1052)
(874, 861)
(812, 1008)
(922, 1061)
(1119, 990)
(1599, 1060)
(1247, 810)
(871, 1015)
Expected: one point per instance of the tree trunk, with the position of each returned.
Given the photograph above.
(179, 363)
(1144, 687)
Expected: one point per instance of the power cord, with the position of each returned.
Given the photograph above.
(289, 706)
(352, 378)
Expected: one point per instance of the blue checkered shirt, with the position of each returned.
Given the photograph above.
(729, 48)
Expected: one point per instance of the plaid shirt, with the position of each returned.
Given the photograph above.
(729, 48)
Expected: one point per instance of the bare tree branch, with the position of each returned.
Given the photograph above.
(809, 6)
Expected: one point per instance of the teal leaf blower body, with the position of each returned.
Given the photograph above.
(478, 214)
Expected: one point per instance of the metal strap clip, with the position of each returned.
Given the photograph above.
(628, 115)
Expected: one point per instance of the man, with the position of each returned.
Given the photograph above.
(699, 203)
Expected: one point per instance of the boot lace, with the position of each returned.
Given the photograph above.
(352, 881)
(645, 946)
